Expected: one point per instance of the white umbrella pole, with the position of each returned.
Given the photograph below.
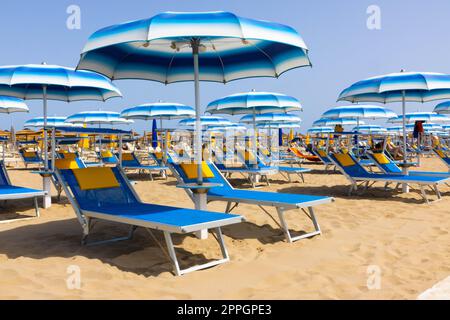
(405, 187)
(46, 180)
(199, 197)
(198, 129)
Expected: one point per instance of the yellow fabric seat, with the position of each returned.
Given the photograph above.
(344, 159)
(30, 154)
(381, 158)
(190, 170)
(107, 154)
(64, 164)
(127, 157)
(322, 153)
(95, 178)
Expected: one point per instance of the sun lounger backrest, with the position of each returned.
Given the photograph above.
(349, 164)
(217, 177)
(94, 198)
(385, 163)
(129, 160)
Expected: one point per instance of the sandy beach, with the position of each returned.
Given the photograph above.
(406, 240)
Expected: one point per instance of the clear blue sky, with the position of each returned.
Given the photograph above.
(414, 35)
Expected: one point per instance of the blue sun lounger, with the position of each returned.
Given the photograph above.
(356, 173)
(104, 193)
(387, 165)
(30, 157)
(233, 197)
(322, 155)
(131, 162)
(10, 192)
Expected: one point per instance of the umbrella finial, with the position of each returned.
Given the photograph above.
(402, 70)
(43, 63)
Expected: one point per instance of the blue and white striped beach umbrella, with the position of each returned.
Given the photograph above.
(278, 125)
(39, 81)
(160, 110)
(52, 122)
(97, 118)
(446, 127)
(233, 127)
(198, 46)
(399, 87)
(206, 121)
(254, 103)
(12, 104)
(50, 82)
(442, 108)
(426, 126)
(320, 130)
(333, 122)
(161, 48)
(359, 112)
(271, 118)
(396, 129)
(370, 128)
(412, 117)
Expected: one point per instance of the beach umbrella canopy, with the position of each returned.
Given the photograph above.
(333, 122)
(318, 130)
(358, 112)
(395, 129)
(399, 87)
(206, 121)
(271, 117)
(442, 108)
(199, 46)
(52, 122)
(279, 125)
(426, 126)
(97, 118)
(370, 129)
(254, 103)
(160, 110)
(233, 127)
(420, 116)
(12, 104)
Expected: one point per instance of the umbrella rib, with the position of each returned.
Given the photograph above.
(220, 60)
(268, 58)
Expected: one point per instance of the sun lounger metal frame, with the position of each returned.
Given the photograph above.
(86, 217)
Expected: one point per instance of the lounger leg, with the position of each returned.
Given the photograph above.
(438, 194)
(173, 256)
(424, 195)
(36, 206)
(286, 231)
(227, 209)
